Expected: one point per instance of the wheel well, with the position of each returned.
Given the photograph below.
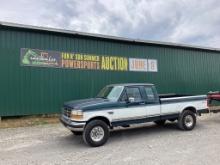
(100, 118)
(193, 109)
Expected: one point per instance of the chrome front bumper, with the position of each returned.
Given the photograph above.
(72, 125)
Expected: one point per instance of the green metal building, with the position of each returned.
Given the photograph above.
(40, 68)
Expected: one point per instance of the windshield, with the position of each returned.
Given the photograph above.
(111, 92)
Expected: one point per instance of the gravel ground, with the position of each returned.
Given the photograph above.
(147, 144)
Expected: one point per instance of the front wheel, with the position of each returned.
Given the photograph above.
(187, 120)
(96, 133)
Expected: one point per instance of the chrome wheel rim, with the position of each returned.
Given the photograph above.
(188, 121)
(97, 133)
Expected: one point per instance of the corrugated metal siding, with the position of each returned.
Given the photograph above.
(34, 90)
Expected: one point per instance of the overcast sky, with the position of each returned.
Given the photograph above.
(194, 22)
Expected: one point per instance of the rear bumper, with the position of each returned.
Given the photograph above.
(72, 125)
(201, 111)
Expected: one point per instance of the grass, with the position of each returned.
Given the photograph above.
(24, 121)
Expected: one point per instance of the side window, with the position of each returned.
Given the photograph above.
(134, 92)
(124, 96)
(150, 94)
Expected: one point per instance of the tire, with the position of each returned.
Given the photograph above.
(96, 133)
(76, 133)
(160, 122)
(187, 120)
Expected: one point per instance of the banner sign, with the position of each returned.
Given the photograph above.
(152, 65)
(137, 64)
(42, 58)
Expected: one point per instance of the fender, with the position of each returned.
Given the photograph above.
(99, 114)
(189, 107)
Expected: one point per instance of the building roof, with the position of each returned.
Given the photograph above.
(101, 36)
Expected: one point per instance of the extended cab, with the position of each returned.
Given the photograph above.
(127, 104)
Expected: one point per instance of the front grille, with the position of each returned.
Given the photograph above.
(67, 111)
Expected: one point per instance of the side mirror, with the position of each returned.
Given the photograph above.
(131, 99)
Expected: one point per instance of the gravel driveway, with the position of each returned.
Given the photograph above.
(147, 144)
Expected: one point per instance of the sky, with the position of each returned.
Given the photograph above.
(195, 22)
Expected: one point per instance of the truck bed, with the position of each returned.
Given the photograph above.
(171, 98)
(171, 95)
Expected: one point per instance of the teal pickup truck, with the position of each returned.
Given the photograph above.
(127, 104)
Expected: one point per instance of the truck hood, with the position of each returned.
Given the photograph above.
(91, 104)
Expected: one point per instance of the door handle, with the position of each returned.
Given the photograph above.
(110, 112)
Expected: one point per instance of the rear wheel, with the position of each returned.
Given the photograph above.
(96, 133)
(187, 120)
(160, 122)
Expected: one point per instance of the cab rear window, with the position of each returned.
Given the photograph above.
(150, 94)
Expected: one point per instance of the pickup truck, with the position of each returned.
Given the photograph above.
(127, 104)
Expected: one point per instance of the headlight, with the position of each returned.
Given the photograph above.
(76, 114)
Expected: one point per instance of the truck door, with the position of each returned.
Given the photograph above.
(133, 106)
